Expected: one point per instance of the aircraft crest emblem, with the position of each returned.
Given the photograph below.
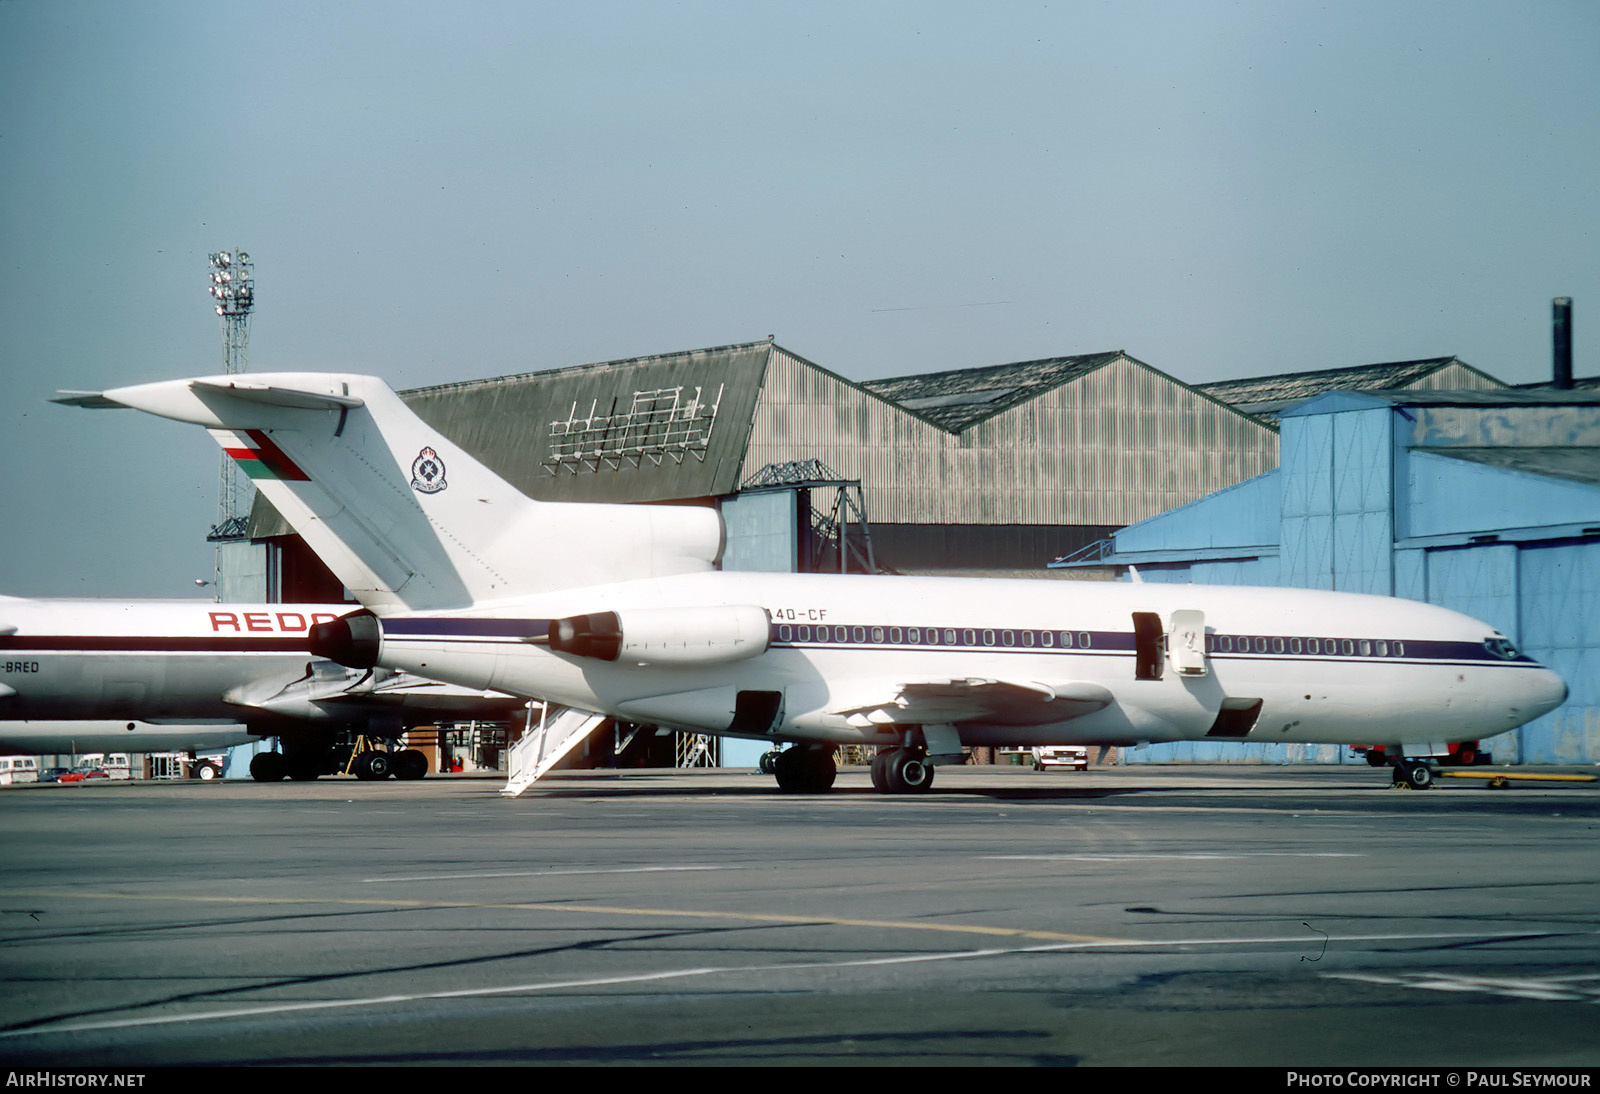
(427, 472)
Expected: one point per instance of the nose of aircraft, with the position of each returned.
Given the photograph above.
(1540, 693)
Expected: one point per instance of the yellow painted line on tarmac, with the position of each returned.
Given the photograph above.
(599, 909)
(1518, 776)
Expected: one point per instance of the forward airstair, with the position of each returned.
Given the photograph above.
(556, 732)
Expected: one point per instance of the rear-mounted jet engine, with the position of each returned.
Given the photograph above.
(665, 636)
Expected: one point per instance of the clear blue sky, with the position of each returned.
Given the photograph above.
(435, 192)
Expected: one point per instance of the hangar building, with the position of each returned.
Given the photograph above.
(978, 471)
(1487, 502)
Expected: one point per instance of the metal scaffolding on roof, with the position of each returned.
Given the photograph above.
(831, 530)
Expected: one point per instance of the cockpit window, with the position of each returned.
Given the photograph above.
(1501, 647)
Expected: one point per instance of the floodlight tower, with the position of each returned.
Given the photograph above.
(232, 290)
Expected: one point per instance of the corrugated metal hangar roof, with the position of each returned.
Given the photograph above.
(960, 398)
(1265, 396)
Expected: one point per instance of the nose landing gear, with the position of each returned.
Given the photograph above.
(1413, 774)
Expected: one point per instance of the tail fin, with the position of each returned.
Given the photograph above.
(400, 514)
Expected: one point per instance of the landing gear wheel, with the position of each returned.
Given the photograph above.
(805, 770)
(906, 771)
(768, 763)
(410, 764)
(1414, 775)
(206, 771)
(373, 766)
(268, 767)
(880, 771)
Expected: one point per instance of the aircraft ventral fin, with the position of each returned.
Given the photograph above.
(973, 699)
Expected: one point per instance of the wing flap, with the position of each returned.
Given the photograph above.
(974, 699)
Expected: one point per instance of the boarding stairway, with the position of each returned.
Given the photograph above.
(547, 739)
(696, 750)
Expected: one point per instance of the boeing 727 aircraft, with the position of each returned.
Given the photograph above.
(621, 610)
(188, 675)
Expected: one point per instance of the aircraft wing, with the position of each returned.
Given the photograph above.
(974, 699)
(320, 694)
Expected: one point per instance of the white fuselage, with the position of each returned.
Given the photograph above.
(1324, 667)
(192, 675)
(144, 658)
(141, 675)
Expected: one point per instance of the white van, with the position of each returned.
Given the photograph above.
(18, 769)
(114, 764)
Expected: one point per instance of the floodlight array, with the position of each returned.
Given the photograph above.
(232, 283)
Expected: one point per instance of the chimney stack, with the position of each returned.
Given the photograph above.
(1561, 332)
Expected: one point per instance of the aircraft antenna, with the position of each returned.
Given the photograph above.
(232, 290)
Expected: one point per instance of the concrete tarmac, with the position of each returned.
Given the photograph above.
(1279, 916)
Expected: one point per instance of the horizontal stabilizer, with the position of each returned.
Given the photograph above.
(89, 400)
(268, 395)
(223, 401)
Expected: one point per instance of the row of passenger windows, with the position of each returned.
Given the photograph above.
(937, 636)
(1082, 640)
(1347, 647)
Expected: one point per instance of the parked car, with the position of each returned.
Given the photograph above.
(82, 772)
(1463, 753)
(1073, 756)
(53, 774)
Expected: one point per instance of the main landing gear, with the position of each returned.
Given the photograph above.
(902, 771)
(373, 764)
(804, 770)
(809, 769)
(271, 767)
(306, 763)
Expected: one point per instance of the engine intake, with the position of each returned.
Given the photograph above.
(665, 636)
(351, 640)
